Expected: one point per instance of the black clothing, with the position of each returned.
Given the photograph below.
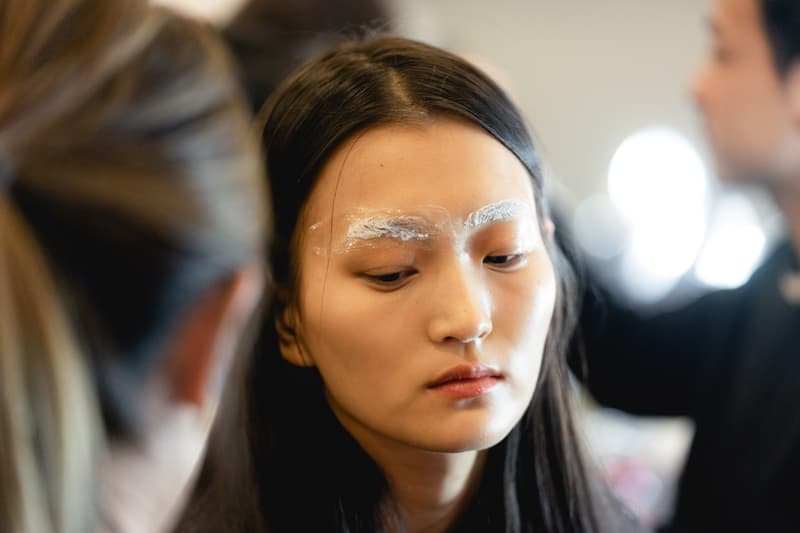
(731, 362)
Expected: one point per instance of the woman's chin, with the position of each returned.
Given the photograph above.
(466, 441)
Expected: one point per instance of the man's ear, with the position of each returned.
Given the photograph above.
(286, 325)
(207, 339)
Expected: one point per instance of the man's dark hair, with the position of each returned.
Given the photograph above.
(782, 26)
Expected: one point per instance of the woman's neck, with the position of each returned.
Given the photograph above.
(432, 493)
(429, 491)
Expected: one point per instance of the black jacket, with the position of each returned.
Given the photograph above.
(731, 362)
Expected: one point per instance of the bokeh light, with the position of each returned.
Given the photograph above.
(734, 245)
(658, 182)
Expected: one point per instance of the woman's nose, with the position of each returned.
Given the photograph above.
(462, 307)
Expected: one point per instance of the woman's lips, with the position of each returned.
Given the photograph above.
(466, 381)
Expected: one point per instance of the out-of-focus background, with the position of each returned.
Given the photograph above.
(605, 88)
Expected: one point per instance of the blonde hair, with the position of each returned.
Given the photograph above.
(132, 183)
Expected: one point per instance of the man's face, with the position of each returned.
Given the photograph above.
(744, 99)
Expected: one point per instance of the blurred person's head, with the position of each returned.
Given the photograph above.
(749, 90)
(131, 225)
(411, 242)
(270, 38)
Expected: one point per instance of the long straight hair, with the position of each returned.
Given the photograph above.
(129, 184)
(311, 475)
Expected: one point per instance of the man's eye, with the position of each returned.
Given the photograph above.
(722, 54)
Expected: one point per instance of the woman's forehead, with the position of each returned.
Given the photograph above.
(447, 163)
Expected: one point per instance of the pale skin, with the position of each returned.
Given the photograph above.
(382, 321)
(751, 110)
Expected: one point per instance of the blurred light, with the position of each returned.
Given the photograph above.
(599, 229)
(734, 247)
(656, 168)
(658, 182)
(216, 11)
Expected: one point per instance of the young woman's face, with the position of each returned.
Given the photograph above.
(426, 291)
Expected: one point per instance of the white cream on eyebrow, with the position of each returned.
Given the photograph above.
(364, 226)
(496, 212)
(403, 228)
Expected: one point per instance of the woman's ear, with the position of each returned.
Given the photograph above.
(286, 325)
(207, 339)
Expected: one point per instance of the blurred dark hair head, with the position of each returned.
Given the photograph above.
(271, 38)
(132, 185)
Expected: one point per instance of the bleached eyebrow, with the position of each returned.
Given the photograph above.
(416, 228)
(497, 212)
(402, 228)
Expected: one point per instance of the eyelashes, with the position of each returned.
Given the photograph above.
(507, 263)
(390, 280)
(395, 279)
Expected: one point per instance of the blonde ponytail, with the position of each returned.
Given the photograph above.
(48, 415)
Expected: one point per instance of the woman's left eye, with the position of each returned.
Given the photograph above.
(505, 262)
(390, 280)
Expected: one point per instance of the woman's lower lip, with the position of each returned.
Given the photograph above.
(467, 388)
